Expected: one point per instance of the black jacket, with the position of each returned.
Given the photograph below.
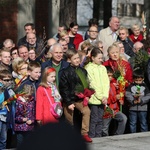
(128, 47)
(68, 81)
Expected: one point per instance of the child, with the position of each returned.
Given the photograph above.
(113, 104)
(5, 110)
(34, 74)
(46, 92)
(99, 82)
(72, 81)
(25, 113)
(138, 95)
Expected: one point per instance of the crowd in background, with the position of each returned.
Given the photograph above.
(99, 81)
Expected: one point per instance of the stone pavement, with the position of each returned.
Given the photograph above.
(137, 141)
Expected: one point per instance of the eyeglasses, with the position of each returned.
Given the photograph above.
(7, 80)
(93, 31)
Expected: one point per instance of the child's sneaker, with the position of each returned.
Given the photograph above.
(87, 138)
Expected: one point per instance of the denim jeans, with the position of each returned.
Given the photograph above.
(3, 135)
(142, 116)
(120, 118)
(96, 120)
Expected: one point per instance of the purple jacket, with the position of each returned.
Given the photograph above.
(24, 110)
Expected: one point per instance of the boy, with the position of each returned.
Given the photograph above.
(138, 95)
(113, 106)
(70, 83)
(5, 111)
(34, 74)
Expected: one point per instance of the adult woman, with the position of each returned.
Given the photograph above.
(136, 34)
(118, 64)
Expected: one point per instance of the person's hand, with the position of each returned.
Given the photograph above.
(71, 107)
(138, 101)
(29, 122)
(116, 85)
(121, 102)
(118, 96)
(104, 100)
(25, 119)
(135, 101)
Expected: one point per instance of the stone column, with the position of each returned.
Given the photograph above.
(138, 10)
(26, 13)
(54, 6)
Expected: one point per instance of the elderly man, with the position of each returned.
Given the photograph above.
(139, 58)
(8, 43)
(109, 35)
(56, 61)
(28, 28)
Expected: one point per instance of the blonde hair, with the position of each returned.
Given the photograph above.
(85, 44)
(45, 74)
(4, 49)
(123, 28)
(63, 33)
(17, 63)
(114, 45)
(135, 27)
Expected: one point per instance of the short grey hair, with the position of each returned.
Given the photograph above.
(55, 45)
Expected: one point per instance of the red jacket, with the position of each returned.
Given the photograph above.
(140, 38)
(112, 102)
(127, 68)
(43, 106)
(77, 40)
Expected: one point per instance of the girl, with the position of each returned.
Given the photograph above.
(25, 113)
(99, 82)
(47, 93)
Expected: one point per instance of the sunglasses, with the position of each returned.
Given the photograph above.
(14, 53)
(7, 80)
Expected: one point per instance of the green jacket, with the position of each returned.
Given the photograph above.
(98, 81)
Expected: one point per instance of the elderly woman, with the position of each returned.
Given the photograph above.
(118, 64)
(136, 34)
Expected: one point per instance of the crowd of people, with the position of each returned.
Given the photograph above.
(104, 76)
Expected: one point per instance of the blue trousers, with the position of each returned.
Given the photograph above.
(134, 116)
(3, 135)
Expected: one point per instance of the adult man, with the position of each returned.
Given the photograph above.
(93, 33)
(109, 35)
(56, 61)
(8, 43)
(29, 28)
(5, 59)
(132, 60)
(51, 41)
(75, 38)
(33, 43)
(64, 45)
(128, 44)
(23, 52)
(60, 29)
